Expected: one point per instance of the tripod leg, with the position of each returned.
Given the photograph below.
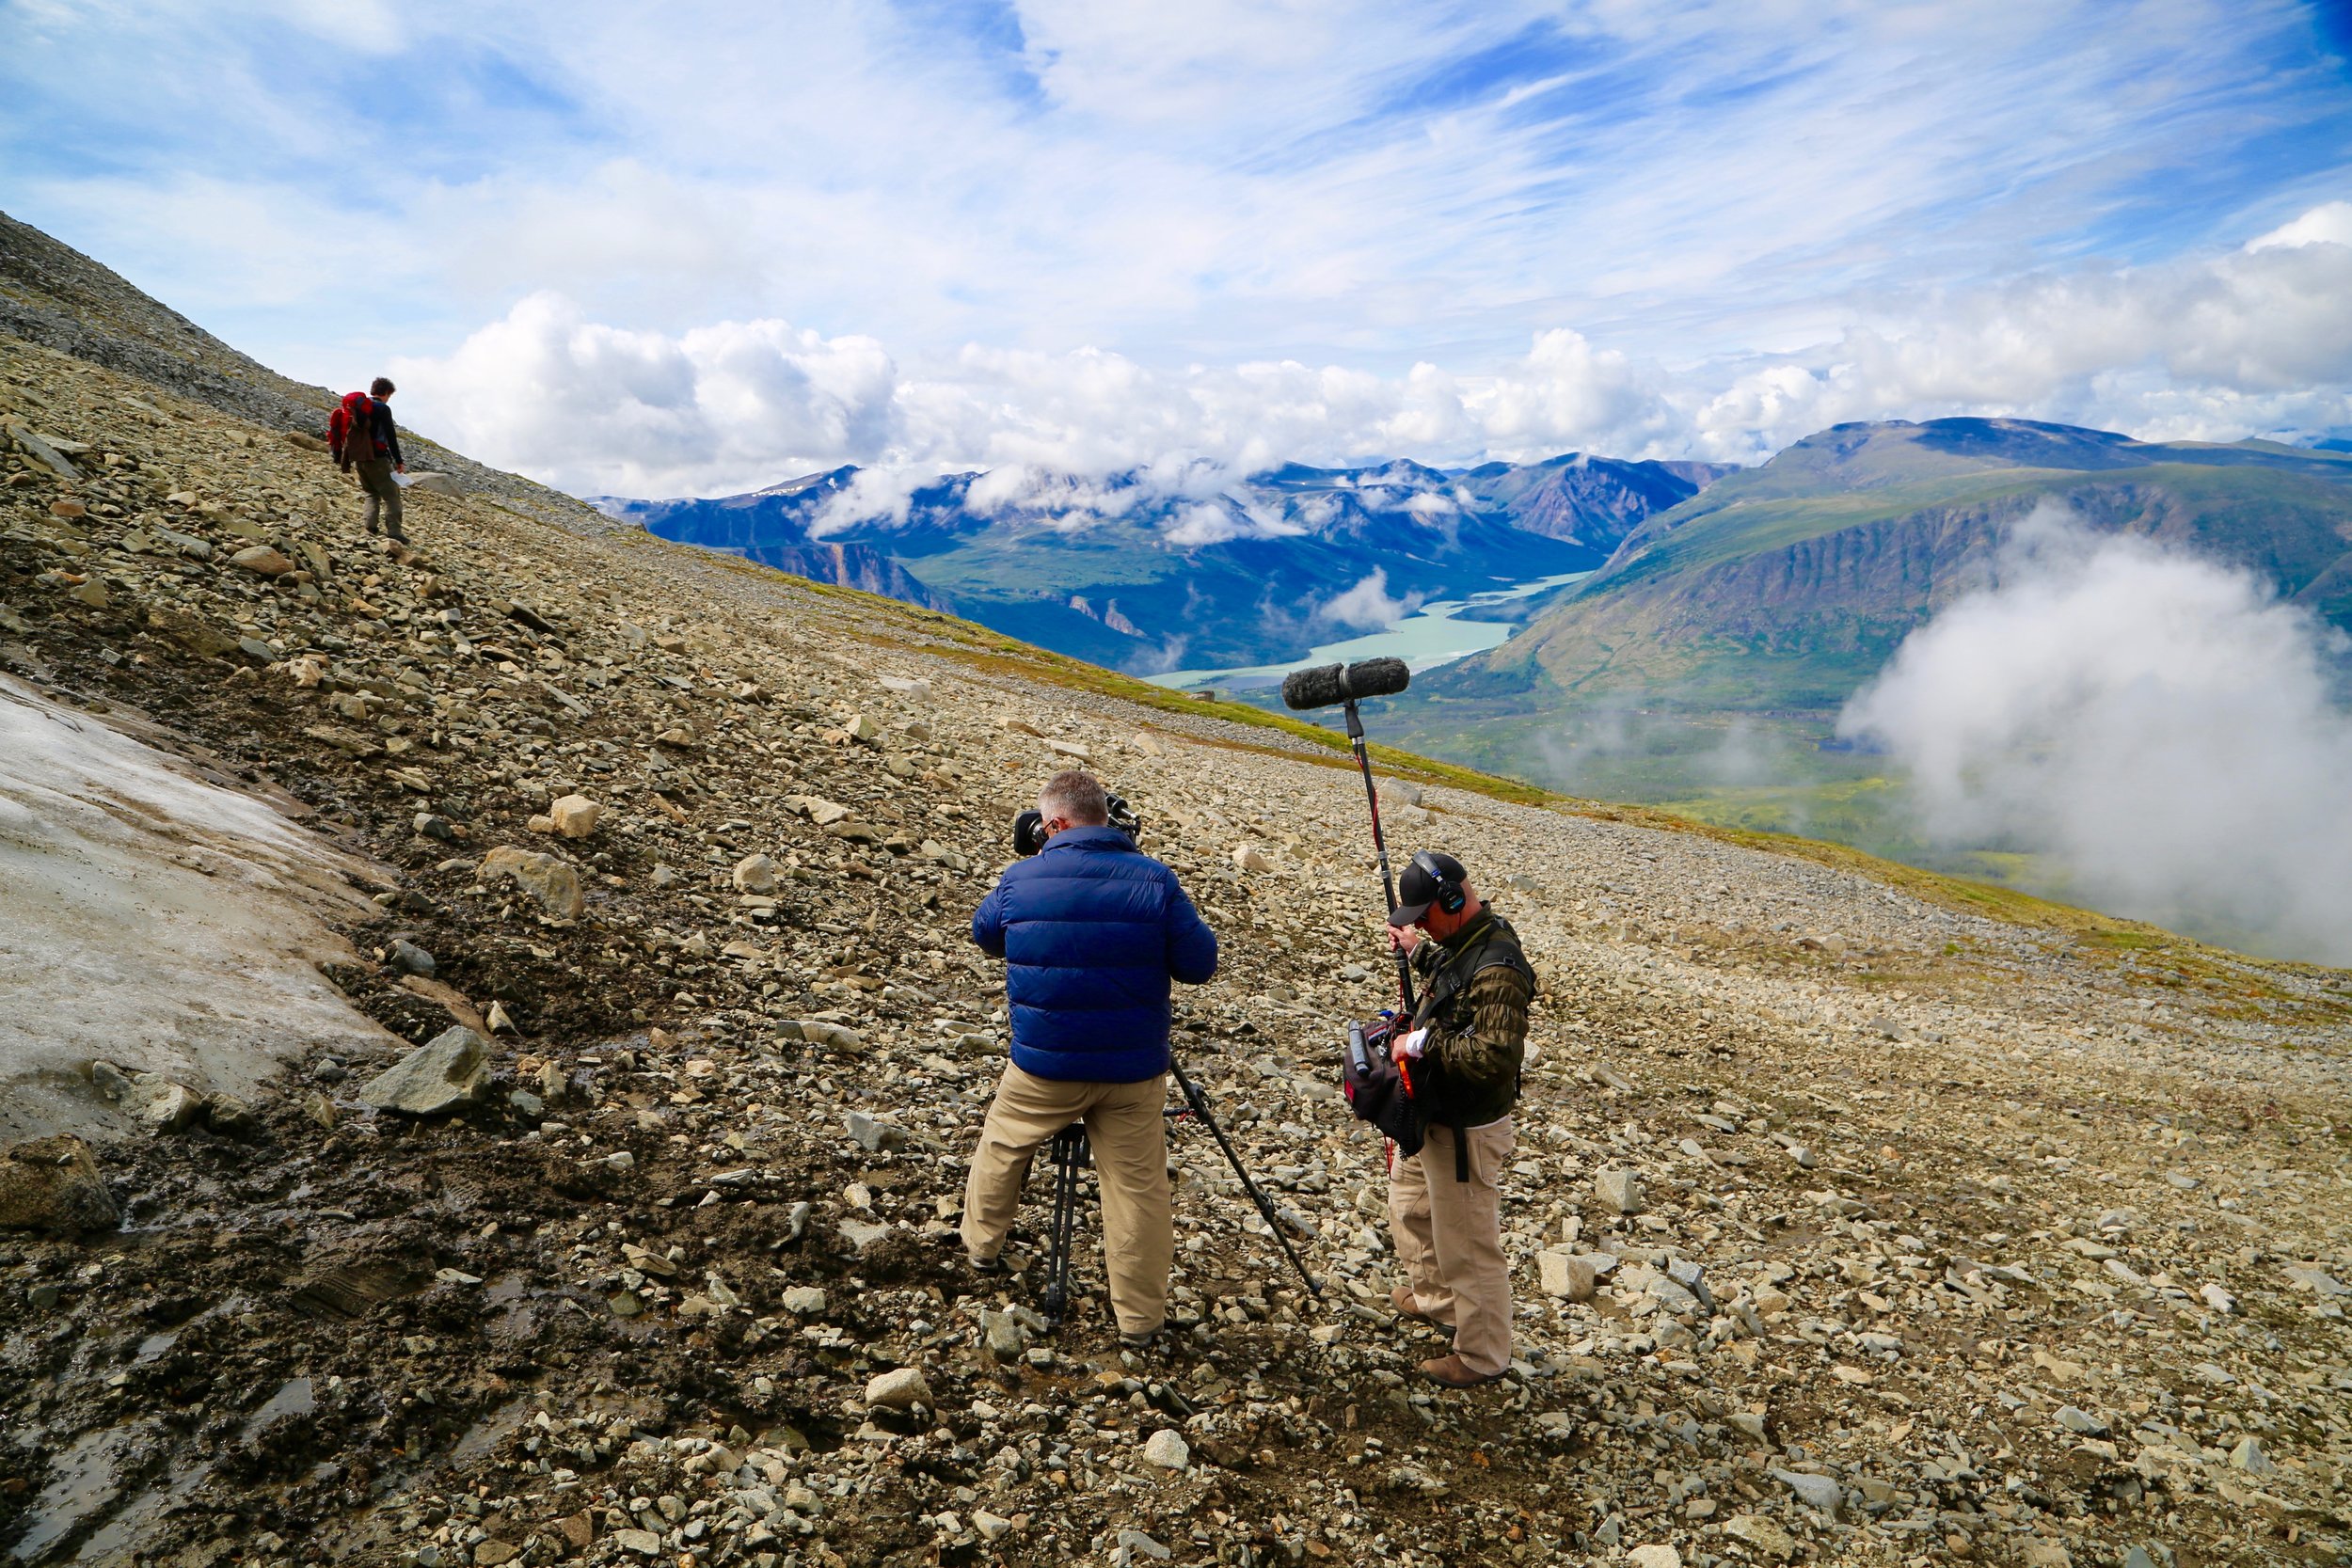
(1070, 1157)
(1057, 1237)
(1199, 1103)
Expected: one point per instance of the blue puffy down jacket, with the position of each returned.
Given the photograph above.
(1091, 930)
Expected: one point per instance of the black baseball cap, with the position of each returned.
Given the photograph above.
(1417, 889)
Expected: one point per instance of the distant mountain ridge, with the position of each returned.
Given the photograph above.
(1141, 574)
(1778, 591)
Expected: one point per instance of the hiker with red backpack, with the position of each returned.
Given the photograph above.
(361, 435)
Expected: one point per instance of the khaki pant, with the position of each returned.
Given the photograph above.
(1130, 1141)
(1449, 1237)
(376, 478)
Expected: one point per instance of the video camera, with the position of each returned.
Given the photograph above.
(1028, 828)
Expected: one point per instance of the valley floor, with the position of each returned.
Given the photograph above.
(2020, 1243)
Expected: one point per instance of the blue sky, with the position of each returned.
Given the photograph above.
(662, 250)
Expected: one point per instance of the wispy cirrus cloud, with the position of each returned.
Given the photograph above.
(1058, 234)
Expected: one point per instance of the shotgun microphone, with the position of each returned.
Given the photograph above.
(1326, 683)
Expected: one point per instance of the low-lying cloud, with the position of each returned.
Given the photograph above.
(1368, 606)
(2160, 726)
(2254, 341)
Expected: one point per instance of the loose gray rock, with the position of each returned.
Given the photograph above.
(553, 884)
(899, 1390)
(873, 1135)
(165, 1106)
(230, 1116)
(1565, 1276)
(1691, 1278)
(1135, 1546)
(1619, 1191)
(863, 1234)
(1003, 1336)
(411, 959)
(445, 1075)
(52, 1185)
(1167, 1449)
(817, 1032)
(1818, 1491)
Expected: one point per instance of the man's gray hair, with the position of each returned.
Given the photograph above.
(1075, 796)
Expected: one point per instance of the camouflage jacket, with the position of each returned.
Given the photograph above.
(1478, 988)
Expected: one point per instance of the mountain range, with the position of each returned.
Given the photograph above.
(1143, 572)
(1773, 594)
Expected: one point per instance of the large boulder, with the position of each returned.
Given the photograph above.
(552, 881)
(52, 1185)
(447, 1073)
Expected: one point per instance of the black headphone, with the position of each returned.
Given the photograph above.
(1449, 895)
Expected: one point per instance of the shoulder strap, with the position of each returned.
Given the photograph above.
(1463, 966)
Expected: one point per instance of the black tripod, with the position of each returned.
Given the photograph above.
(1070, 1153)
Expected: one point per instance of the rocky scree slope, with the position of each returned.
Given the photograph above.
(1846, 1225)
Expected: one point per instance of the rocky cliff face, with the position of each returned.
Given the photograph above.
(1593, 501)
(767, 527)
(1853, 1212)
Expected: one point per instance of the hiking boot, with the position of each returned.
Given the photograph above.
(1449, 1371)
(1408, 1305)
(977, 1264)
(1143, 1343)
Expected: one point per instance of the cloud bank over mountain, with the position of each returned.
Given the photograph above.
(2159, 724)
(2254, 341)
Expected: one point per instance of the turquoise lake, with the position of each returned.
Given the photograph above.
(1438, 633)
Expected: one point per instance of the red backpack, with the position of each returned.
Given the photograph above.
(351, 430)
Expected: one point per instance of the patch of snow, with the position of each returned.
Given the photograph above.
(154, 920)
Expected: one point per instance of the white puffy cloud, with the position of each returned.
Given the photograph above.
(1368, 606)
(1567, 393)
(2331, 224)
(600, 409)
(1206, 523)
(2251, 341)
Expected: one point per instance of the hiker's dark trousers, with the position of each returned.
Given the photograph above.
(376, 478)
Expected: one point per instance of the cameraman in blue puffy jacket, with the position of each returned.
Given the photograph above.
(1091, 931)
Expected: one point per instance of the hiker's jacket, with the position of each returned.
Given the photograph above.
(1478, 988)
(378, 438)
(1091, 931)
